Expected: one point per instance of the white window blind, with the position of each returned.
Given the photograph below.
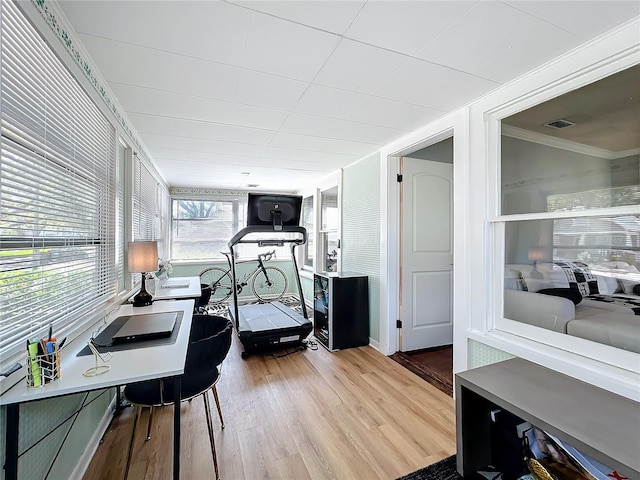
(145, 207)
(57, 192)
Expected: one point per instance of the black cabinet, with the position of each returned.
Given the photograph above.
(341, 309)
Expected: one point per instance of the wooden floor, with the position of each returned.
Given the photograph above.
(352, 414)
(435, 365)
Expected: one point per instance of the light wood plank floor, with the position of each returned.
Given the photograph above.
(352, 414)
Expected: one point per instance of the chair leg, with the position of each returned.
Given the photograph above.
(136, 415)
(207, 412)
(215, 395)
(149, 423)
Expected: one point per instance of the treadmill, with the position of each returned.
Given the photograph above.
(262, 327)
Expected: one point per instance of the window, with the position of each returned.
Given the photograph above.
(571, 214)
(57, 192)
(328, 235)
(201, 230)
(308, 214)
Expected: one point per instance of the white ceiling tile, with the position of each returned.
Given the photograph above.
(314, 13)
(287, 49)
(339, 129)
(181, 127)
(267, 177)
(188, 148)
(433, 86)
(391, 113)
(268, 90)
(133, 65)
(140, 100)
(271, 87)
(498, 42)
(350, 150)
(327, 101)
(194, 28)
(175, 157)
(585, 19)
(405, 26)
(358, 67)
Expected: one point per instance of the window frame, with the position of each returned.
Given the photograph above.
(527, 337)
(322, 232)
(309, 246)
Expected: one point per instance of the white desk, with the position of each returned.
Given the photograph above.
(127, 366)
(169, 291)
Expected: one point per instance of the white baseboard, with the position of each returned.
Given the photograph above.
(94, 442)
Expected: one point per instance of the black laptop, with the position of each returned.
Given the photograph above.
(147, 326)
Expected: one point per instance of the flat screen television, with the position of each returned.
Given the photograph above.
(273, 209)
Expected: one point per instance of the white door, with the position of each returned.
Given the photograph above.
(427, 254)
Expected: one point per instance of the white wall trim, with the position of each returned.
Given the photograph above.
(621, 381)
(445, 127)
(593, 363)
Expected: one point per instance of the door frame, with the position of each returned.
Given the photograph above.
(455, 124)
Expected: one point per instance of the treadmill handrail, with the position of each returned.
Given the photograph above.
(238, 237)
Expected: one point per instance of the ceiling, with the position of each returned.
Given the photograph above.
(275, 95)
(605, 114)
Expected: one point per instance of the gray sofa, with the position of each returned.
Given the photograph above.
(594, 303)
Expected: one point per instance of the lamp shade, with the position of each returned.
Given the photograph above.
(143, 256)
(538, 254)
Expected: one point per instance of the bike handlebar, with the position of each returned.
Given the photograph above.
(267, 256)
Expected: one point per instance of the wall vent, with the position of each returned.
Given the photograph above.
(560, 123)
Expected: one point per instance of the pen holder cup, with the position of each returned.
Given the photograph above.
(43, 369)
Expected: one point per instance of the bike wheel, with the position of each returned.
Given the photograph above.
(220, 282)
(271, 287)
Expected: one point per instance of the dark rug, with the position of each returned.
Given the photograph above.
(442, 470)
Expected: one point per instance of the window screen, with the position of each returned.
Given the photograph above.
(57, 192)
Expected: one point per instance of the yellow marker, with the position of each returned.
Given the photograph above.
(35, 366)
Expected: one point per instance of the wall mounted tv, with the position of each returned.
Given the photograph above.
(273, 209)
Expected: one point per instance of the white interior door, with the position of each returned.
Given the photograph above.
(427, 254)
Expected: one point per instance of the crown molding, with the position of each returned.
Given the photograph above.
(205, 193)
(535, 137)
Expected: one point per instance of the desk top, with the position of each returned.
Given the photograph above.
(127, 366)
(178, 288)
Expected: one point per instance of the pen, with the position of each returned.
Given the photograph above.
(50, 331)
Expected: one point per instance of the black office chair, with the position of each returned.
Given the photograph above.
(209, 343)
(202, 302)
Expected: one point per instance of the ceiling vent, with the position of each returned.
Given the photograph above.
(252, 185)
(560, 123)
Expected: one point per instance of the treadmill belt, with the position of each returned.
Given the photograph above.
(270, 325)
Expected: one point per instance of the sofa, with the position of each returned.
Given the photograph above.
(599, 302)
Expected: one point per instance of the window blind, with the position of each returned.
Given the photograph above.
(57, 192)
(145, 208)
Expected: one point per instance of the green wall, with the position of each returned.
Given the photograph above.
(361, 229)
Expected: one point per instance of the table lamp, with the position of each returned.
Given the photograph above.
(143, 258)
(537, 254)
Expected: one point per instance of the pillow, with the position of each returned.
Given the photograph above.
(568, 293)
(627, 278)
(580, 277)
(607, 285)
